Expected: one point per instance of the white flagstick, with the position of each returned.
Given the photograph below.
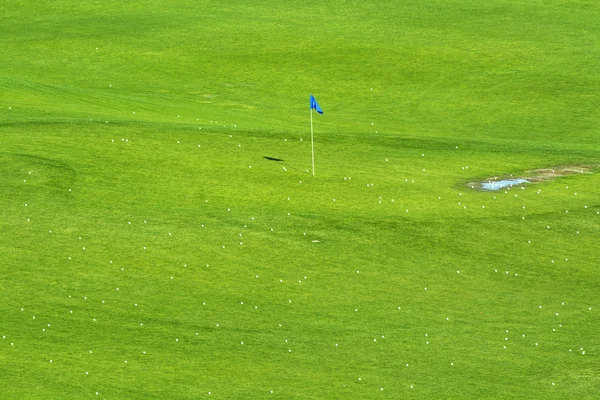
(312, 142)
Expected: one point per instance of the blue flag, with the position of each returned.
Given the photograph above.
(315, 105)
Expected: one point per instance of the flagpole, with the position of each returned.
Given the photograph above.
(312, 143)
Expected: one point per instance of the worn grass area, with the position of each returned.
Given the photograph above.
(148, 249)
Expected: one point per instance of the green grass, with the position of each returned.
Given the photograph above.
(132, 145)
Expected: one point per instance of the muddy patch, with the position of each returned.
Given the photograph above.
(532, 176)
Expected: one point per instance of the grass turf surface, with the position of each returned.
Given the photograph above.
(133, 140)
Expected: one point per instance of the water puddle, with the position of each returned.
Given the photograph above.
(497, 185)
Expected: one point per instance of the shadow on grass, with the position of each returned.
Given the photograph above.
(279, 160)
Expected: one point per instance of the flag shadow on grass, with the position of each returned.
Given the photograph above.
(283, 162)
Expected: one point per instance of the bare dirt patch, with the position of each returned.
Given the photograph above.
(547, 174)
